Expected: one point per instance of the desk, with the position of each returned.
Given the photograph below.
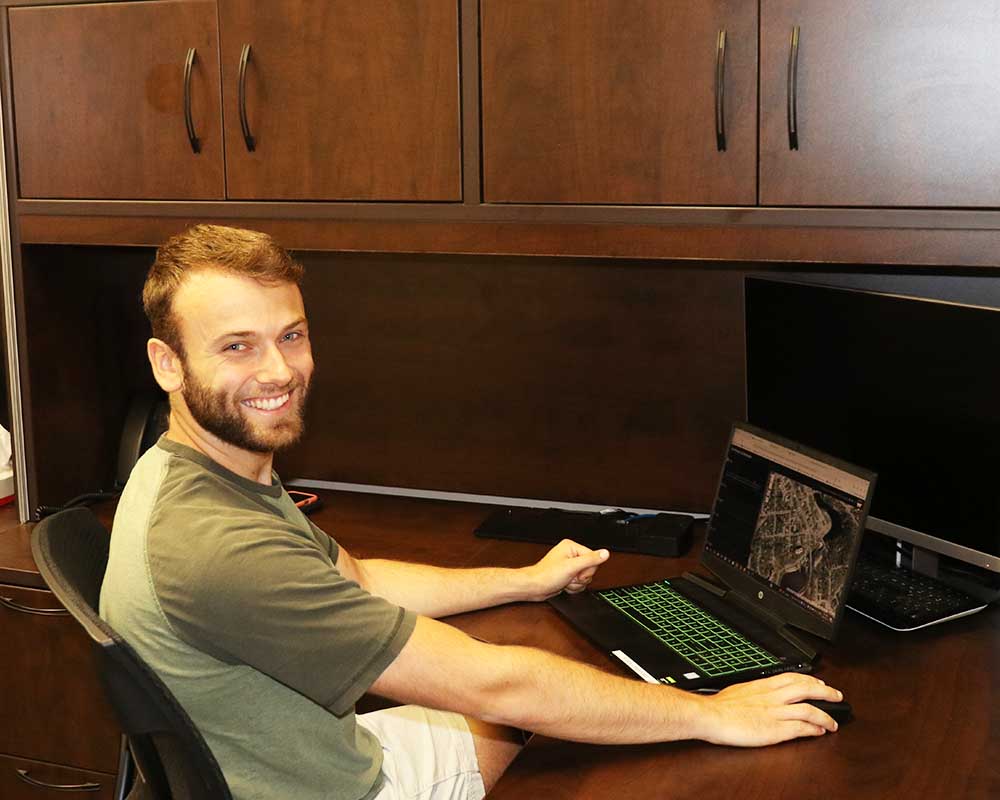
(926, 704)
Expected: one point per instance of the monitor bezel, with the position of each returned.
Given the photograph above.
(925, 541)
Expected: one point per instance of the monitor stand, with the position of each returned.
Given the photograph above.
(925, 562)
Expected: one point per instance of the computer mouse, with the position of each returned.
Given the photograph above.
(841, 712)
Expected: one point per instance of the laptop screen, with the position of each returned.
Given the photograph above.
(786, 527)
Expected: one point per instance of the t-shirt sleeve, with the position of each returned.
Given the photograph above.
(277, 603)
(327, 541)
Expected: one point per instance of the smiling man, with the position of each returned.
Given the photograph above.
(240, 371)
(268, 632)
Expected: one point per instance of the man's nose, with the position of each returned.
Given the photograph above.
(273, 368)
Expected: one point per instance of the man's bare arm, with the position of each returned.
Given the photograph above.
(528, 688)
(437, 591)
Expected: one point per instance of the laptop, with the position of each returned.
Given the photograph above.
(781, 544)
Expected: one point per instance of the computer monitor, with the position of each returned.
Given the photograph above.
(908, 387)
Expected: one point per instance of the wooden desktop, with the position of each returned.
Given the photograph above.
(926, 704)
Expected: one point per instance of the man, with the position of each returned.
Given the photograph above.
(268, 632)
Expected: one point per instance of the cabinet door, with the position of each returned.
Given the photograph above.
(897, 103)
(99, 100)
(614, 101)
(53, 706)
(343, 99)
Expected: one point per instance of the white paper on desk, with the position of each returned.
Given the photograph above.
(6, 467)
(6, 454)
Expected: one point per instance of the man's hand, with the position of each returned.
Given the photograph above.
(768, 711)
(567, 566)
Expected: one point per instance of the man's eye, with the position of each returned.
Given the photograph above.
(235, 347)
(292, 336)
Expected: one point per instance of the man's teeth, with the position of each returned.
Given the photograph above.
(267, 403)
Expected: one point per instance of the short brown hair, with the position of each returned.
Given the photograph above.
(242, 252)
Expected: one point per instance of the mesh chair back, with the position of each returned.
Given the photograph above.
(71, 551)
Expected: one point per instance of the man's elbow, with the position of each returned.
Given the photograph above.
(512, 692)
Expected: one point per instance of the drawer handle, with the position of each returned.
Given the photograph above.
(59, 787)
(793, 90)
(244, 123)
(720, 93)
(192, 135)
(15, 606)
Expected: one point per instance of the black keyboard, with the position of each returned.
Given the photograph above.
(704, 640)
(903, 599)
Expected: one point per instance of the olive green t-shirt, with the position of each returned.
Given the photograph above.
(234, 599)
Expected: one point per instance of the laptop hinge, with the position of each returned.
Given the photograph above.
(772, 621)
(704, 583)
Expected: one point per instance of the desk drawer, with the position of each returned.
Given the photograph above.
(53, 708)
(23, 779)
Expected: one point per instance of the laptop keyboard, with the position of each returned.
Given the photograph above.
(711, 646)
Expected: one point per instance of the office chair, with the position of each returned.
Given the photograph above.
(173, 761)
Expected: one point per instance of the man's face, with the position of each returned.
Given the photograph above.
(248, 360)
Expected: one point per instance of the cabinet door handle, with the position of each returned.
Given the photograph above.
(793, 90)
(59, 787)
(192, 135)
(244, 123)
(720, 92)
(13, 605)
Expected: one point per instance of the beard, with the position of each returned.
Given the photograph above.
(222, 416)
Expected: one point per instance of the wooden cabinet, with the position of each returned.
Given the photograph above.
(100, 93)
(897, 103)
(348, 100)
(342, 99)
(583, 102)
(614, 101)
(57, 728)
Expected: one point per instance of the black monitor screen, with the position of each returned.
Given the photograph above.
(907, 387)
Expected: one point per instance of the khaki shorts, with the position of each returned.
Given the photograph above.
(427, 754)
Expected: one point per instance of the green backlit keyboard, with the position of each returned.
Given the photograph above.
(709, 644)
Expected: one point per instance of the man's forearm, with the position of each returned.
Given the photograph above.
(527, 688)
(547, 694)
(438, 591)
(534, 690)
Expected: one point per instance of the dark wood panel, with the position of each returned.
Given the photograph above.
(530, 214)
(538, 378)
(945, 248)
(54, 707)
(98, 100)
(14, 787)
(87, 360)
(596, 380)
(548, 378)
(613, 101)
(897, 103)
(346, 100)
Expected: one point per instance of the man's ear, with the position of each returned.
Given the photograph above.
(167, 368)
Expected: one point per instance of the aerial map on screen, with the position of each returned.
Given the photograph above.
(803, 542)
